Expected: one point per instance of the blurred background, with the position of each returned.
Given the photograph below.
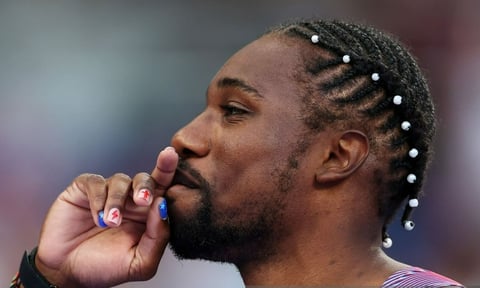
(100, 86)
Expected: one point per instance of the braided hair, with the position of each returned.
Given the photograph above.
(367, 76)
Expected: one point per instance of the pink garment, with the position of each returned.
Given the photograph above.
(415, 277)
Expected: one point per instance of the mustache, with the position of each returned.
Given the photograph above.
(185, 167)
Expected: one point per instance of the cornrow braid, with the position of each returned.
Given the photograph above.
(365, 71)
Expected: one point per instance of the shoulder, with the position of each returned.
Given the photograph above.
(418, 277)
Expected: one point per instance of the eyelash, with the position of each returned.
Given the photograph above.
(232, 110)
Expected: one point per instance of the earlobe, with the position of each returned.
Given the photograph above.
(346, 154)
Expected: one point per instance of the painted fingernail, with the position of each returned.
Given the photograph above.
(114, 216)
(100, 220)
(145, 195)
(162, 209)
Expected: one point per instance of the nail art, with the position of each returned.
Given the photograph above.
(114, 216)
(145, 195)
(101, 223)
(162, 209)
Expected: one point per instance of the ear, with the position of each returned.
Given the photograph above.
(345, 155)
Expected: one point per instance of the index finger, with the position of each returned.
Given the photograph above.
(165, 168)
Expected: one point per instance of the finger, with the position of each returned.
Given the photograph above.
(95, 188)
(119, 187)
(153, 242)
(165, 169)
(143, 187)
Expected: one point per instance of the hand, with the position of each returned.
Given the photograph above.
(75, 251)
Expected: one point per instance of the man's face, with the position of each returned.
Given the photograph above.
(239, 170)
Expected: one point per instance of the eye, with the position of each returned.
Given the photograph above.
(233, 110)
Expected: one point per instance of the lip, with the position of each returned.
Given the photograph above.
(184, 178)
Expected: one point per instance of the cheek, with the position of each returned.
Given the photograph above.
(247, 170)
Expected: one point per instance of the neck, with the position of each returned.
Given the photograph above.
(370, 269)
(347, 257)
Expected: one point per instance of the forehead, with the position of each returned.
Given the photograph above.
(270, 64)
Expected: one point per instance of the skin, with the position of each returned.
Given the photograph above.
(315, 196)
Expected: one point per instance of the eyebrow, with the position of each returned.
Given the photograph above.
(236, 83)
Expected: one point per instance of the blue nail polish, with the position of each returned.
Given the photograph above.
(100, 220)
(162, 209)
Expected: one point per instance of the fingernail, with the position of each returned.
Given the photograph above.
(114, 216)
(145, 195)
(162, 209)
(169, 148)
(100, 220)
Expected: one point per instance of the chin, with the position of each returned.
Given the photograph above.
(196, 236)
(188, 230)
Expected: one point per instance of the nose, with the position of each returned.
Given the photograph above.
(193, 140)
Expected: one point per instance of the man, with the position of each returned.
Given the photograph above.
(313, 136)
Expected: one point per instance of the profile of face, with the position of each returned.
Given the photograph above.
(241, 158)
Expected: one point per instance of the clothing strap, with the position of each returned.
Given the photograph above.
(28, 275)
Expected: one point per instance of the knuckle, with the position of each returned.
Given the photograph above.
(95, 178)
(142, 175)
(119, 186)
(121, 177)
(86, 180)
(93, 185)
(143, 179)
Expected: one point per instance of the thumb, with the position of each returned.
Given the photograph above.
(152, 245)
(165, 168)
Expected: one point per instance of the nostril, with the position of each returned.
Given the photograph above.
(185, 153)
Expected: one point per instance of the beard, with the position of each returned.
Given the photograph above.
(210, 235)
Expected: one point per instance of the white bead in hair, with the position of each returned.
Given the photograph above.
(408, 225)
(406, 125)
(346, 59)
(397, 99)
(413, 153)
(413, 203)
(314, 38)
(375, 77)
(387, 242)
(411, 178)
